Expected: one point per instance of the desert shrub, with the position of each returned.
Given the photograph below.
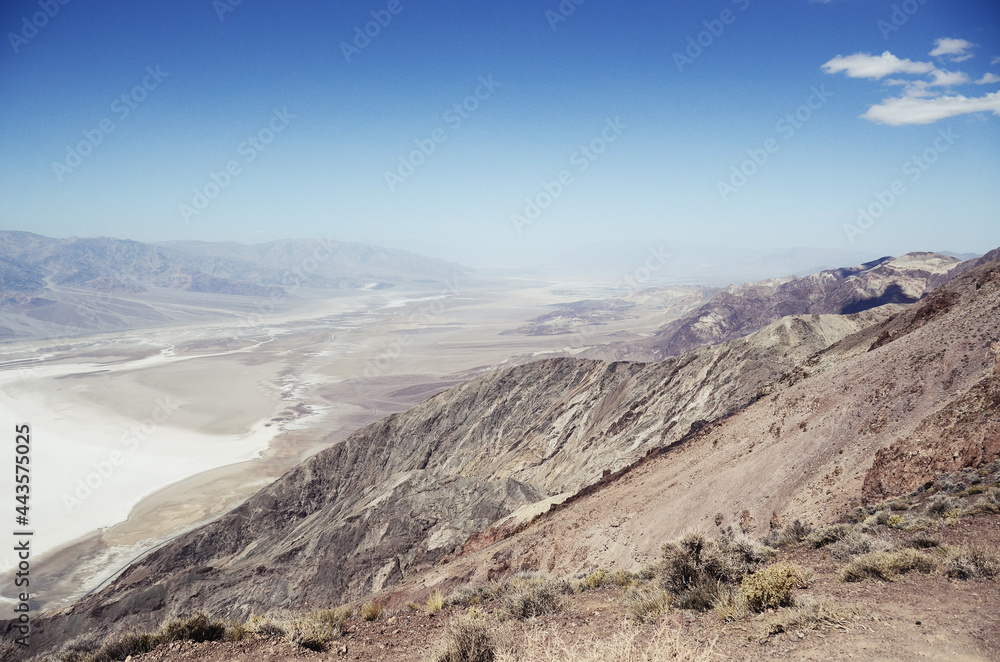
(922, 542)
(196, 627)
(772, 587)
(855, 543)
(123, 645)
(940, 505)
(530, 597)
(314, 631)
(594, 580)
(887, 566)
(790, 534)
(77, 649)
(695, 569)
(435, 602)
(262, 626)
(473, 639)
(646, 603)
(624, 578)
(974, 563)
(896, 522)
(899, 505)
(826, 535)
(472, 595)
(236, 631)
(370, 611)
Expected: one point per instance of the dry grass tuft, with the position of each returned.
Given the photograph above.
(314, 631)
(811, 616)
(597, 579)
(887, 566)
(370, 611)
(435, 602)
(647, 603)
(531, 597)
(475, 639)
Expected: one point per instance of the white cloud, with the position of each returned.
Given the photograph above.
(912, 110)
(927, 89)
(956, 49)
(863, 65)
(944, 78)
(995, 60)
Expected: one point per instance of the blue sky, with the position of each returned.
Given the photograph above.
(313, 133)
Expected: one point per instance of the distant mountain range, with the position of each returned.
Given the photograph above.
(742, 309)
(52, 287)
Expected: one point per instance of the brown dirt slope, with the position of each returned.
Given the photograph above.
(846, 419)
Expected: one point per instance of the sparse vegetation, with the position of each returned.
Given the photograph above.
(940, 505)
(646, 603)
(855, 542)
(594, 580)
(628, 644)
(530, 597)
(314, 631)
(887, 566)
(474, 639)
(978, 562)
(810, 616)
(772, 587)
(790, 534)
(197, 627)
(370, 611)
(828, 534)
(434, 602)
(695, 570)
